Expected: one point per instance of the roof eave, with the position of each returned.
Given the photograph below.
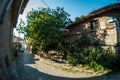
(18, 8)
(94, 13)
(23, 6)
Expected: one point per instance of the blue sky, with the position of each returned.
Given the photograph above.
(73, 7)
(78, 7)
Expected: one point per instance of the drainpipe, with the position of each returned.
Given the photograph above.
(5, 12)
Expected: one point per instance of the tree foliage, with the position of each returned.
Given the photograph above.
(20, 27)
(77, 18)
(43, 29)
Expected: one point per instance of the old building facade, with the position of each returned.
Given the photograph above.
(101, 26)
(9, 12)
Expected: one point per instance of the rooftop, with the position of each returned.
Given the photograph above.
(96, 12)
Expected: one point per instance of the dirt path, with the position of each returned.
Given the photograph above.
(35, 68)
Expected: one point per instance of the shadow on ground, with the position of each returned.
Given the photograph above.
(43, 76)
(30, 73)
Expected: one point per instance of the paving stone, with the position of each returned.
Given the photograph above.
(31, 67)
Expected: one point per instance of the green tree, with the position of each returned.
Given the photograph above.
(43, 29)
(20, 27)
(77, 18)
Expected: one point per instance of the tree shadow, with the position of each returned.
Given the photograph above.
(34, 74)
(27, 72)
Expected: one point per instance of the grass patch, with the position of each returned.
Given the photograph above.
(69, 70)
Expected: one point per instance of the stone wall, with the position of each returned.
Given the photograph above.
(9, 12)
(105, 34)
(6, 55)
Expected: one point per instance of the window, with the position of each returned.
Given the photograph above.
(111, 19)
(94, 25)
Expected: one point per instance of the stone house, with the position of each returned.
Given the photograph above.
(18, 43)
(9, 12)
(101, 26)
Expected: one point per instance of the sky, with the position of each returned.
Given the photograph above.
(73, 7)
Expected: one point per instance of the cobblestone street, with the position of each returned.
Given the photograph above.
(30, 67)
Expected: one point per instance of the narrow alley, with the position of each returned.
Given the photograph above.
(30, 67)
(91, 40)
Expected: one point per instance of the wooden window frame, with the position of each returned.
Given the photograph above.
(94, 24)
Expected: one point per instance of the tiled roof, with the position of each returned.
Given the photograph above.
(96, 12)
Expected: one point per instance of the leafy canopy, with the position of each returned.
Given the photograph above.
(43, 29)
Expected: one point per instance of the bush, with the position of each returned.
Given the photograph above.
(93, 58)
(82, 41)
(78, 44)
(98, 59)
(73, 59)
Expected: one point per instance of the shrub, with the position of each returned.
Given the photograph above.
(103, 59)
(73, 59)
(93, 58)
(82, 41)
(78, 44)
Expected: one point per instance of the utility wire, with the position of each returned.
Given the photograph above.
(45, 3)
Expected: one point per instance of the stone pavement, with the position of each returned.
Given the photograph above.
(31, 68)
